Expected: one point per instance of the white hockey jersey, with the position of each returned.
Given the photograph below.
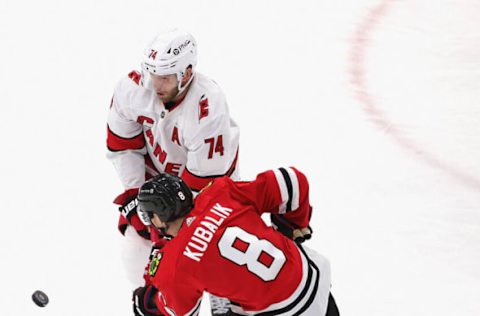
(195, 139)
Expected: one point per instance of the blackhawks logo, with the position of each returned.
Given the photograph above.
(154, 263)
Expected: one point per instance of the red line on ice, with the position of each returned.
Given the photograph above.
(357, 71)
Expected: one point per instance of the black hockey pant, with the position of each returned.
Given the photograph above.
(332, 309)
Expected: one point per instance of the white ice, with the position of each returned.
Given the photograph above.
(378, 102)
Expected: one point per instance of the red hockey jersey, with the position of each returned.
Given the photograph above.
(226, 249)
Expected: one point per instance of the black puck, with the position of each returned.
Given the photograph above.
(40, 298)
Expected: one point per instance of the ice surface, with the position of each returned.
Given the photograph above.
(376, 101)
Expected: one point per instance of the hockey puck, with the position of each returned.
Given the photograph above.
(40, 298)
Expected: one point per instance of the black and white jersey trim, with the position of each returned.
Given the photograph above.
(301, 299)
(289, 189)
(195, 310)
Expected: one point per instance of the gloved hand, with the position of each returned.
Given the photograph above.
(143, 301)
(129, 214)
(290, 230)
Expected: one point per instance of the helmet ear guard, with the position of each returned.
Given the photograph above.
(167, 196)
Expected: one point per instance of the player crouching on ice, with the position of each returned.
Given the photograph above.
(221, 245)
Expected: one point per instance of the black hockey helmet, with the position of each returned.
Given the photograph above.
(167, 196)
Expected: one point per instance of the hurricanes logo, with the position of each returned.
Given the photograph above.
(203, 107)
(154, 264)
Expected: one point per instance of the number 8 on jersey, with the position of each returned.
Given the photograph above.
(251, 252)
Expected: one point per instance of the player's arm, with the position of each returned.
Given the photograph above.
(144, 301)
(283, 192)
(180, 299)
(179, 294)
(126, 150)
(125, 144)
(212, 149)
(179, 303)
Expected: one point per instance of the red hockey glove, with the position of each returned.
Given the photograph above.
(290, 230)
(143, 301)
(129, 215)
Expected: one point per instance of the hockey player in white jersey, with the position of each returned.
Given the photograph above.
(166, 118)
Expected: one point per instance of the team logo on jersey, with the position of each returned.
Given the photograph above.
(203, 107)
(145, 121)
(155, 262)
(189, 220)
(135, 76)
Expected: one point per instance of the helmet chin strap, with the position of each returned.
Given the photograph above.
(164, 231)
(180, 76)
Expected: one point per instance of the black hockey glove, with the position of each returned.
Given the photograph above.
(290, 230)
(143, 301)
(131, 209)
(130, 215)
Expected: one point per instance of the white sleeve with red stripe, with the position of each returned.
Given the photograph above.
(125, 143)
(212, 152)
(281, 191)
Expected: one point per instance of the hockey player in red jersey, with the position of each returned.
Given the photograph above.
(221, 245)
(166, 118)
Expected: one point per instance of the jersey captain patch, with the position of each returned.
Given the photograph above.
(175, 138)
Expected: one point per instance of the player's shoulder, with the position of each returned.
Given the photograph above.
(208, 85)
(129, 90)
(130, 81)
(164, 262)
(216, 185)
(130, 84)
(216, 188)
(208, 97)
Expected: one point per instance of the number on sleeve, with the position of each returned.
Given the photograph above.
(260, 256)
(215, 146)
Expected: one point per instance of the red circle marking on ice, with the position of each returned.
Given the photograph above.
(357, 72)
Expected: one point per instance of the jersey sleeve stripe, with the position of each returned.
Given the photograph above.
(196, 309)
(118, 143)
(288, 183)
(295, 189)
(170, 311)
(303, 296)
(289, 189)
(233, 165)
(282, 186)
(197, 183)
